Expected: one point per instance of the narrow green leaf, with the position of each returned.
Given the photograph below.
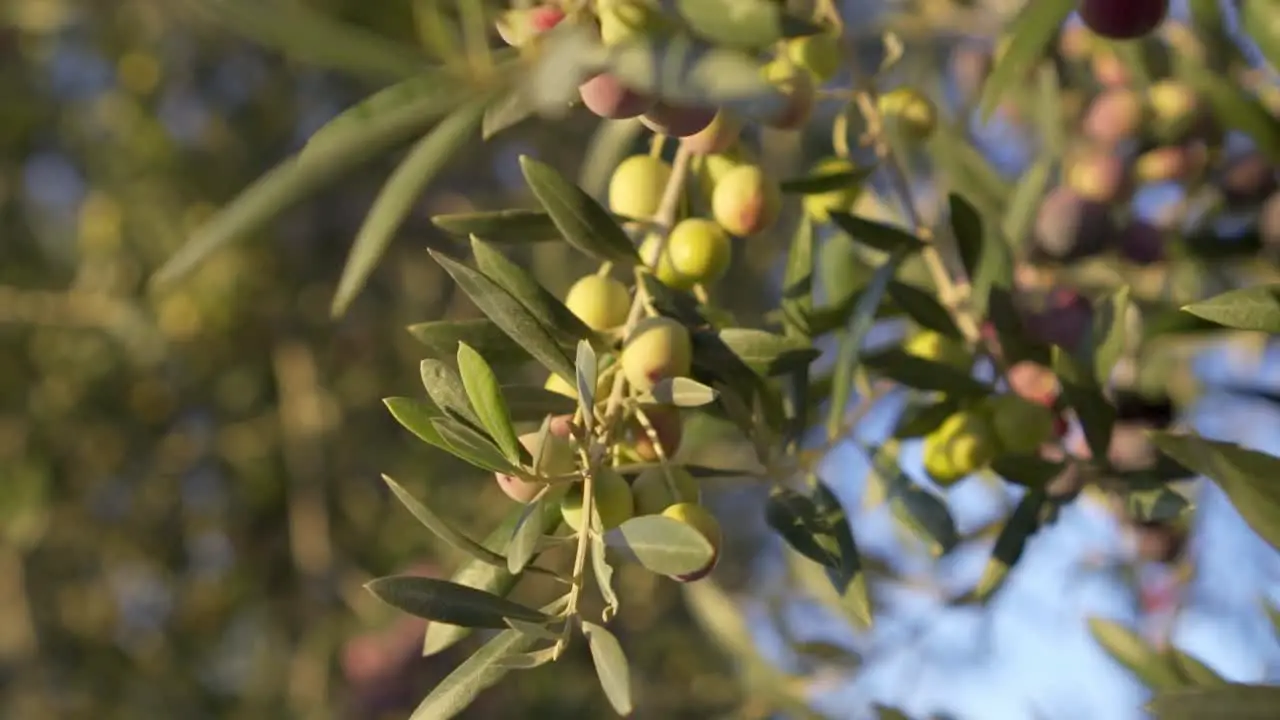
(500, 226)
(1024, 203)
(1234, 701)
(479, 672)
(1106, 341)
(483, 576)
(766, 353)
(611, 667)
(581, 220)
(604, 574)
(473, 447)
(442, 337)
(1135, 654)
(524, 539)
(681, 392)
(884, 712)
(921, 374)
(1246, 476)
(850, 346)
(506, 112)
(922, 416)
(1083, 393)
(1235, 108)
(968, 170)
(450, 602)
(813, 579)
(926, 515)
(587, 370)
(444, 387)
(1030, 35)
(482, 389)
(797, 281)
(1023, 522)
(507, 313)
(1258, 19)
(666, 546)
(1254, 308)
(398, 196)
(823, 182)
(878, 235)
(1194, 671)
(537, 631)
(1030, 471)
(441, 527)
(305, 174)
(986, 257)
(546, 308)
(1155, 502)
(809, 531)
(416, 416)
(923, 308)
(302, 32)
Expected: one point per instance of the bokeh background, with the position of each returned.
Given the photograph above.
(189, 492)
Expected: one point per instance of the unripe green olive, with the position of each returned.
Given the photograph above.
(820, 205)
(717, 137)
(705, 523)
(819, 54)
(636, 188)
(654, 492)
(626, 20)
(660, 264)
(667, 425)
(599, 301)
(698, 251)
(746, 201)
(964, 443)
(1175, 109)
(939, 348)
(556, 458)
(1020, 425)
(612, 500)
(658, 348)
(912, 111)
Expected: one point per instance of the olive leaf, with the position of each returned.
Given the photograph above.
(449, 602)
(611, 666)
(581, 220)
(481, 386)
(665, 545)
(513, 226)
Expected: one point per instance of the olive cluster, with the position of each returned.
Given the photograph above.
(1131, 136)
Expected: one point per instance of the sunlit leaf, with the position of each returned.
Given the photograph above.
(665, 545)
(1234, 701)
(767, 353)
(445, 388)
(923, 308)
(441, 337)
(441, 527)
(875, 234)
(482, 388)
(1083, 393)
(1030, 35)
(1234, 107)
(611, 666)
(581, 220)
(546, 308)
(399, 195)
(450, 602)
(1253, 308)
(470, 445)
(484, 576)
(746, 24)
(416, 416)
(476, 674)
(507, 313)
(1194, 671)
(1246, 476)
(500, 226)
(1136, 655)
(1023, 522)
(681, 392)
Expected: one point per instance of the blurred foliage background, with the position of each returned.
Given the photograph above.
(189, 492)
